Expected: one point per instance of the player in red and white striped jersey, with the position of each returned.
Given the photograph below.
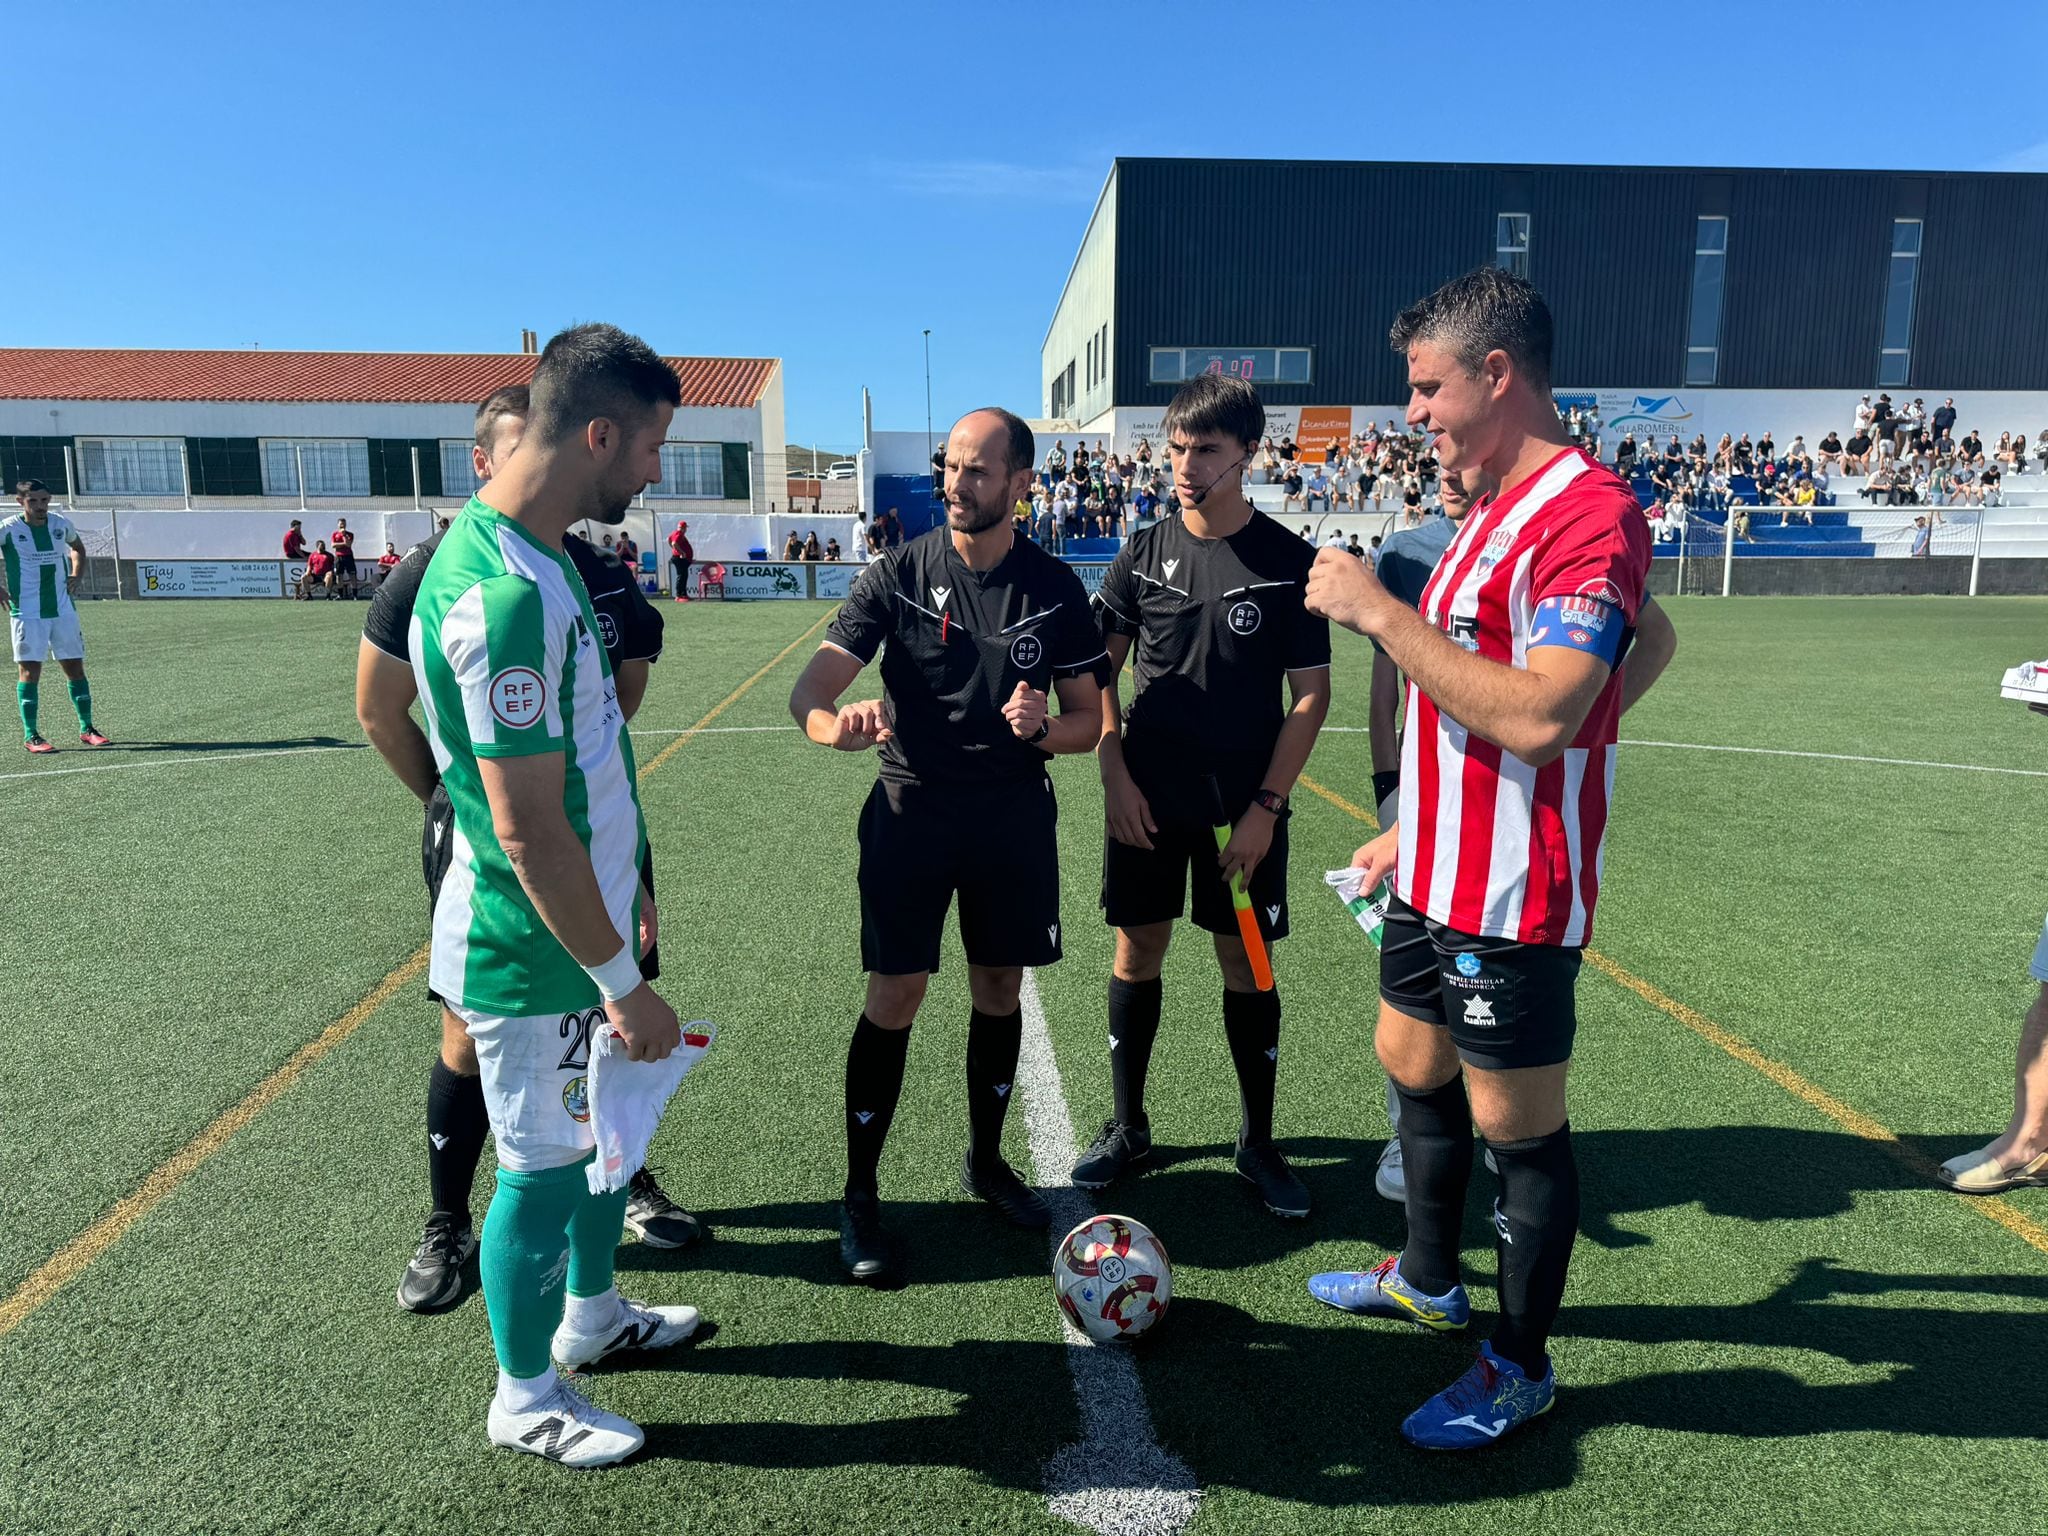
(1514, 693)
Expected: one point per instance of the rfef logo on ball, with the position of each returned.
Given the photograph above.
(519, 696)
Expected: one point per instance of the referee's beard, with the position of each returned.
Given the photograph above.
(970, 517)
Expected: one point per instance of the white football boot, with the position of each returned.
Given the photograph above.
(566, 1428)
(634, 1326)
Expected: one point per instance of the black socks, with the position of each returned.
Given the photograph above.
(1436, 1161)
(1251, 1023)
(1536, 1220)
(874, 1082)
(993, 1042)
(1133, 1026)
(456, 1126)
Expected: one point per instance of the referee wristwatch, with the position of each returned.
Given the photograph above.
(1044, 730)
(1266, 800)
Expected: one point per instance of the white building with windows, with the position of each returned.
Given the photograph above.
(210, 454)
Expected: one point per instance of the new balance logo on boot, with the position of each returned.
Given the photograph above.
(556, 1447)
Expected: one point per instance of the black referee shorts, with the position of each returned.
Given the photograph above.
(437, 851)
(1142, 886)
(1506, 1004)
(994, 845)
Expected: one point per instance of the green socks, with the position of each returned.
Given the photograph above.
(544, 1235)
(81, 700)
(25, 699)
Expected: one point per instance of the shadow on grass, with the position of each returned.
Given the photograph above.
(282, 743)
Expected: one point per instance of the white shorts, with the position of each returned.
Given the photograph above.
(40, 639)
(536, 1082)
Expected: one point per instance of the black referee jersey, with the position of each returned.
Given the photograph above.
(1216, 625)
(629, 625)
(955, 643)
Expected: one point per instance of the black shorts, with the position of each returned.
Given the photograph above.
(1141, 886)
(1506, 1004)
(437, 850)
(995, 845)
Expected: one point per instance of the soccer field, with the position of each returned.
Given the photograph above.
(1809, 970)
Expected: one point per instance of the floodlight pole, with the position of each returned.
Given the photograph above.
(1977, 550)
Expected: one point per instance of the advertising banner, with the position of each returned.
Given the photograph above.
(208, 578)
(753, 582)
(834, 579)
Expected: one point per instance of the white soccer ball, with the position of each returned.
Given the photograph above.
(1112, 1277)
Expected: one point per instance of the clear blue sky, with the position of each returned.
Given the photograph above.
(821, 182)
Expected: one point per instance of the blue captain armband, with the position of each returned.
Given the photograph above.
(1579, 623)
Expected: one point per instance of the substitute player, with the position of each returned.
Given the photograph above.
(975, 627)
(1211, 604)
(534, 927)
(44, 563)
(1507, 765)
(385, 691)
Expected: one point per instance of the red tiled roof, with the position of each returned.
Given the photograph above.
(398, 378)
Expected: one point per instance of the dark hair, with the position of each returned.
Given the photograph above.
(1486, 310)
(592, 371)
(30, 488)
(1215, 402)
(1023, 446)
(511, 400)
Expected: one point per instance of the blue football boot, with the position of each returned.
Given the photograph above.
(1486, 1404)
(1381, 1292)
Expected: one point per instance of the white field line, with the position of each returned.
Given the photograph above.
(1115, 1480)
(1830, 757)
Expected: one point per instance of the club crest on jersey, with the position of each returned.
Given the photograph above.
(519, 696)
(608, 630)
(1027, 651)
(1245, 617)
(576, 1099)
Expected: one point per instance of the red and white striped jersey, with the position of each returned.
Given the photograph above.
(1490, 845)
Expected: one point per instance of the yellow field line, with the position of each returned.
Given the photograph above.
(1849, 1119)
(76, 1256)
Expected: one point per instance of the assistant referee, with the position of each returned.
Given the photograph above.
(975, 626)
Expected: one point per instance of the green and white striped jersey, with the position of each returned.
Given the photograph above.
(506, 651)
(37, 565)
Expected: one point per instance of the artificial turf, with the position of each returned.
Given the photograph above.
(1772, 1323)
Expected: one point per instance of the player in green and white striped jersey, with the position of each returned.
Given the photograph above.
(536, 927)
(45, 560)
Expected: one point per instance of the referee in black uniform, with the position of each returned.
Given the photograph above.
(630, 628)
(975, 627)
(1209, 605)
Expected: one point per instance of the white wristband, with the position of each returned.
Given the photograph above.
(617, 976)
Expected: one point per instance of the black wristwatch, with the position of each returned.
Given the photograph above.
(1266, 800)
(1044, 730)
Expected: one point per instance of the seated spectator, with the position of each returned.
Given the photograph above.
(1091, 516)
(2041, 451)
(1696, 454)
(1716, 499)
(295, 541)
(1878, 488)
(2019, 453)
(1821, 482)
(1289, 454)
(1830, 451)
(1964, 489)
(1988, 481)
(1800, 500)
(1291, 488)
(1056, 463)
(1856, 454)
(1765, 448)
(319, 572)
(832, 549)
(1797, 450)
(1336, 539)
(1355, 547)
(386, 563)
(1318, 489)
(1724, 452)
(1654, 515)
(1972, 448)
(1372, 552)
(1411, 502)
(2003, 453)
(793, 547)
(1625, 455)
(813, 550)
(1745, 455)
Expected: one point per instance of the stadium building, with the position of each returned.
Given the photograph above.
(1687, 300)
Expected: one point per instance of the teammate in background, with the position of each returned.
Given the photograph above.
(319, 572)
(1513, 702)
(386, 564)
(1404, 568)
(385, 691)
(680, 554)
(295, 541)
(346, 579)
(44, 564)
(1210, 602)
(975, 627)
(534, 945)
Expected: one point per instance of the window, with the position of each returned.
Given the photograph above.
(1102, 353)
(458, 469)
(1709, 281)
(1895, 347)
(334, 466)
(693, 470)
(1259, 365)
(131, 466)
(1089, 353)
(1511, 243)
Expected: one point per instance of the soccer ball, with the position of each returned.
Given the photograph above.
(1112, 1277)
